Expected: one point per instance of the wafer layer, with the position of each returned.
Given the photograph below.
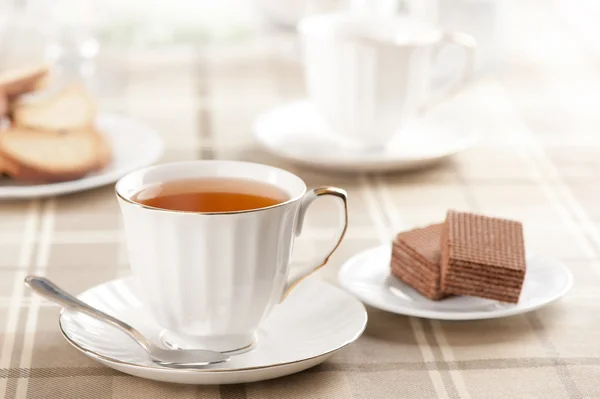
(411, 275)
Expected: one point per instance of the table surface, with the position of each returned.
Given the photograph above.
(537, 111)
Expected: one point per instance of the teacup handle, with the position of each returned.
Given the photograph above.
(469, 44)
(296, 276)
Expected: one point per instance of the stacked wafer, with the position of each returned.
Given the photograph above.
(416, 260)
(468, 254)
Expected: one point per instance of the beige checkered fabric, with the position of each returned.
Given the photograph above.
(538, 162)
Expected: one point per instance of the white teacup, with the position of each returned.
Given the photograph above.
(209, 279)
(368, 75)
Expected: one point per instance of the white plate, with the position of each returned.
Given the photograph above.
(296, 132)
(133, 146)
(315, 320)
(367, 275)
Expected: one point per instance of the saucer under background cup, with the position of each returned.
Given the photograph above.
(367, 275)
(300, 333)
(298, 133)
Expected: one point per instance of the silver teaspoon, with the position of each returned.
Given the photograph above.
(165, 357)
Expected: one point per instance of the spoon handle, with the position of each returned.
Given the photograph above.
(49, 290)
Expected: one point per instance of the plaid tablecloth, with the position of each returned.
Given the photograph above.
(538, 161)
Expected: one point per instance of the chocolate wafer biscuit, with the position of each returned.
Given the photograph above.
(482, 256)
(416, 260)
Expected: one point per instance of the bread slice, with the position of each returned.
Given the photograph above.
(8, 168)
(19, 81)
(4, 105)
(44, 156)
(72, 108)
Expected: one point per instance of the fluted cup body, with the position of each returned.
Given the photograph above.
(210, 279)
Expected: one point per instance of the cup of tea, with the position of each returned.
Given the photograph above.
(367, 75)
(210, 243)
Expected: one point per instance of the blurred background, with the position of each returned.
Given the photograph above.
(65, 30)
(187, 46)
(94, 37)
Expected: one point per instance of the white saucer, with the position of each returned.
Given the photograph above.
(133, 146)
(296, 132)
(315, 320)
(367, 275)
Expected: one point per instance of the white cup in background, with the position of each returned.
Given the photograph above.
(368, 75)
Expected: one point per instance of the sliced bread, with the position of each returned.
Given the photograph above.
(3, 105)
(71, 108)
(50, 156)
(8, 168)
(103, 151)
(19, 81)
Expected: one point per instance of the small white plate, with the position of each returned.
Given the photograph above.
(367, 275)
(316, 320)
(133, 146)
(296, 132)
